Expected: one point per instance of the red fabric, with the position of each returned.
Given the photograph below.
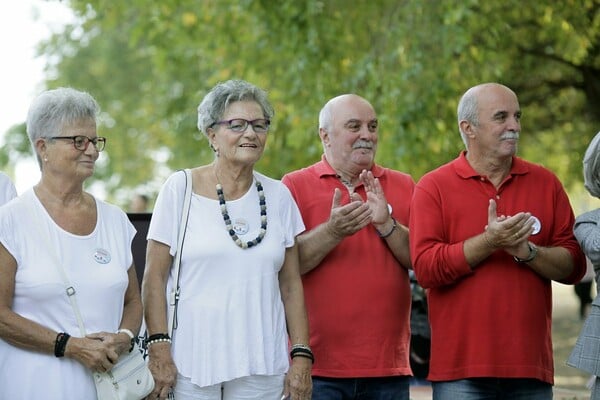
(358, 298)
(495, 320)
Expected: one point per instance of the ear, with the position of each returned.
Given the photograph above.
(41, 147)
(467, 128)
(324, 135)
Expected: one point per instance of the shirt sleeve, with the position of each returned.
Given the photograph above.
(164, 225)
(435, 261)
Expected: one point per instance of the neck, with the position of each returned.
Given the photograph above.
(234, 182)
(46, 191)
(495, 169)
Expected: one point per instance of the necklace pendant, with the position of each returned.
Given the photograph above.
(240, 226)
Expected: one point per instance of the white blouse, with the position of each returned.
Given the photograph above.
(231, 320)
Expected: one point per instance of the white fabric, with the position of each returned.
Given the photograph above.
(256, 387)
(40, 293)
(7, 189)
(230, 314)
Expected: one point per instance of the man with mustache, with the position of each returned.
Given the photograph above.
(354, 258)
(489, 232)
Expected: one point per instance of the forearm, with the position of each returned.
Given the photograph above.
(132, 308)
(397, 239)
(555, 263)
(314, 245)
(26, 334)
(296, 317)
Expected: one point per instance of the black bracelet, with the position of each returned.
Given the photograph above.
(60, 344)
(302, 352)
(394, 225)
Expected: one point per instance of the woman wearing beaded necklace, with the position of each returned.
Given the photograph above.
(241, 292)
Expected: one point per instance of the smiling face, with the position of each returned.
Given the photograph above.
(245, 147)
(350, 139)
(60, 157)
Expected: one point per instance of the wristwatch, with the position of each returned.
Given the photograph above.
(533, 250)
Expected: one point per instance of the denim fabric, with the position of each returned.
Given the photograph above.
(492, 389)
(386, 388)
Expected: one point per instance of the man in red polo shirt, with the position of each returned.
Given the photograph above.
(354, 258)
(489, 232)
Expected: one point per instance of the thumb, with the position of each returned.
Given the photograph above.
(337, 198)
(492, 213)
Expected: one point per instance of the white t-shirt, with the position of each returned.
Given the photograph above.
(231, 320)
(7, 189)
(96, 266)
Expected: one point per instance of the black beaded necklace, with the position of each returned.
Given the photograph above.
(263, 217)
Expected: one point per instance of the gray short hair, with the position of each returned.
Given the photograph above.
(467, 110)
(591, 167)
(213, 106)
(54, 109)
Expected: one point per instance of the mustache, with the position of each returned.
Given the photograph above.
(509, 136)
(363, 144)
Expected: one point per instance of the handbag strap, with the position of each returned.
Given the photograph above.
(175, 292)
(69, 289)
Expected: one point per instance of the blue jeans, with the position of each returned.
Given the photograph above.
(385, 388)
(492, 389)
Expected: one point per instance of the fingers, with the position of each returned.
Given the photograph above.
(492, 213)
(337, 198)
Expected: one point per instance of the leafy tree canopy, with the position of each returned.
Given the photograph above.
(150, 63)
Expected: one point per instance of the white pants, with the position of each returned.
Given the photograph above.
(255, 387)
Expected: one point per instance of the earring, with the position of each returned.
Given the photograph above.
(45, 159)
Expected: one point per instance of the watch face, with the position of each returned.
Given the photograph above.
(537, 225)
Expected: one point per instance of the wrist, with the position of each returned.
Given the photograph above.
(533, 250)
(129, 335)
(387, 228)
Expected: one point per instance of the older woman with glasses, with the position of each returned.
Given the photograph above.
(241, 296)
(53, 233)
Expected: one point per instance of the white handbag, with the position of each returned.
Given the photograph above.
(129, 379)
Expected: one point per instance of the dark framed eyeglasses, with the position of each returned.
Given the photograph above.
(81, 142)
(239, 125)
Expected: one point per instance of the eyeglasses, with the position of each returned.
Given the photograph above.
(260, 125)
(81, 142)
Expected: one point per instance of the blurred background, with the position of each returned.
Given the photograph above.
(150, 63)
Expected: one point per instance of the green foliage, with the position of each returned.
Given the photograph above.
(150, 63)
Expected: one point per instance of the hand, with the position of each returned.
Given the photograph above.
(163, 370)
(96, 351)
(345, 220)
(510, 233)
(298, 381)
(375, 198)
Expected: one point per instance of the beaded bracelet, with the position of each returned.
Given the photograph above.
(394, 225)
(157, 338)
(149, 342)
(60, 344)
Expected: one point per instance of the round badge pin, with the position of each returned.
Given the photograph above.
(102, 256)
(240, 226)
(537, 225)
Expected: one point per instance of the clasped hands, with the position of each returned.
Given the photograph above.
(99, 351)
(347, 219)
(510, 233)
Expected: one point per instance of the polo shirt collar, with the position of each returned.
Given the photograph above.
(325, 169)
(464, 169)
